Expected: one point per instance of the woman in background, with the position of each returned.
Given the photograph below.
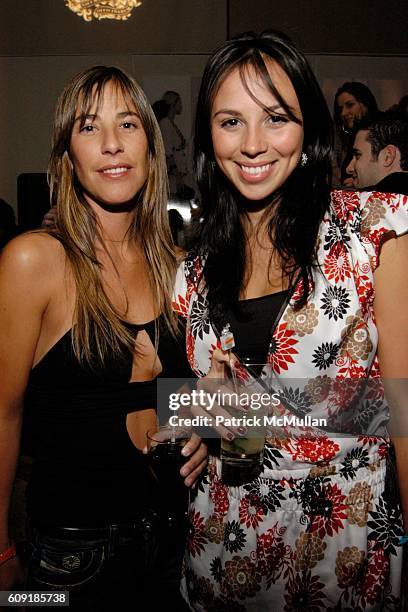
(175, 144)
(353, 101)
(292, 268)
(86, 326)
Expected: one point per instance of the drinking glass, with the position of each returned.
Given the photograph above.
(164, 444)
(242, 457)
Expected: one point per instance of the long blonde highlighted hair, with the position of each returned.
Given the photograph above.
(97, 327)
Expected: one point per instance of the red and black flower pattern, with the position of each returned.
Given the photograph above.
(318, 530)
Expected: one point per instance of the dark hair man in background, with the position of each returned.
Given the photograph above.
(380, 154)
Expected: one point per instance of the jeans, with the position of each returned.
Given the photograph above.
(117, 567)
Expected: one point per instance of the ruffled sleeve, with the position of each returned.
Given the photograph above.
(371, 216)
(381, 214)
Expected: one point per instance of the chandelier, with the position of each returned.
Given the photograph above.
(103, 9)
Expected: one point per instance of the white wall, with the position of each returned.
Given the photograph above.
(29, 87)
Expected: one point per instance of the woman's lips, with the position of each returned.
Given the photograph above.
(255, 174)
(114, 171)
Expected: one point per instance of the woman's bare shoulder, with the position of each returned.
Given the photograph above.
(33, 256)
(33, 247)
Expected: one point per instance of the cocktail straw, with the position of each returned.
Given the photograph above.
(233, 373)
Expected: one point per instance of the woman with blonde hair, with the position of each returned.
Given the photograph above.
(86, 326)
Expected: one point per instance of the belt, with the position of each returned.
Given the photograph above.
(142, 525)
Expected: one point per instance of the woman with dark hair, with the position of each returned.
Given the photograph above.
(86, 327)
(174, 143)
(160, 109)
(291, 268)
(353, 101)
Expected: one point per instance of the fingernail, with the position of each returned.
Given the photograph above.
(185, 451)
(242, 430)
(230, 436)
(183, 472)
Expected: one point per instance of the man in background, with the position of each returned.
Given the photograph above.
(380, 154)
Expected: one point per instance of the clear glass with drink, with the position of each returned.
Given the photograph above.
(242, 457)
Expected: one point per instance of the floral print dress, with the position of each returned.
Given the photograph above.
(319, 529)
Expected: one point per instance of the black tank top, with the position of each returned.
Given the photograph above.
(86, 469)
(253, 326)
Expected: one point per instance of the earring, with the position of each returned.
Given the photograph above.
(303, 159)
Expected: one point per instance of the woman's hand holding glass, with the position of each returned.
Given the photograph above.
(196, 452)
(220, 381)
(238, 386)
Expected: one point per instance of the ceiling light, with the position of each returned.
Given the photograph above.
(103, 9)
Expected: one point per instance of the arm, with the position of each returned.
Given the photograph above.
(391, 313)
(22, 304)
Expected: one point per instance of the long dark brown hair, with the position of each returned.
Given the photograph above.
(296, 209)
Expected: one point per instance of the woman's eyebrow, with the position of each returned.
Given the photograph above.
(227, 111)
(85, 117)
(267, 109)
(126, 113)
(93, 116)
